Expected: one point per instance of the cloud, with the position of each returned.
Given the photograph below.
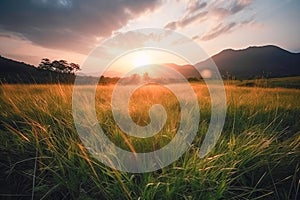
(221, 29)
(239, 5)
(195, 5)
(11, 35)
(192, 14)
(171, 25)
(218, 30)
(69, 24)
(186, 21)
(220, 12)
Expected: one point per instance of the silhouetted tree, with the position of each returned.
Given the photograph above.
(193, 79)
(61, 66)
(45, 64)
(135, 78)
(146, 77)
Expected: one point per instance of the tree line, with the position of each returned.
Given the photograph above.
(59, 66)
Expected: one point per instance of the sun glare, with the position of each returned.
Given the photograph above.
(141, 59)
(138, 59)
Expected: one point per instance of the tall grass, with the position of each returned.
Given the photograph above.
(42, 157)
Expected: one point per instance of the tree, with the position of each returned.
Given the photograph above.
(74, 67)
(135, 78)
(146, 77)
(193, 79)
(45, 64)
(60, 66)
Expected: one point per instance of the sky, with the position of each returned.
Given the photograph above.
(70, 29)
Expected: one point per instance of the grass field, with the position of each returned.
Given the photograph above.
(283, 82)
(256, 157)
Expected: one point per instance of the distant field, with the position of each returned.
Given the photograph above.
(285, 82)
(256, 157)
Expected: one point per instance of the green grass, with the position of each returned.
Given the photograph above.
(256, 157)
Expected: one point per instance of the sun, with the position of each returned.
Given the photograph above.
(141, 58)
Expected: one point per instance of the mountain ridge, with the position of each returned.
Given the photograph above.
(12, 71)
(255, 61)
(251, 62)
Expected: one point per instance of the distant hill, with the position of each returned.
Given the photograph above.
(266, 61)
(18, 72)
(187, 71)
(252, 62)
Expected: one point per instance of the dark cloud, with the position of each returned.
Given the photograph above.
(10, 35)
(69, 24)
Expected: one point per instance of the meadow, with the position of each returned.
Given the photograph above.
(256, 157)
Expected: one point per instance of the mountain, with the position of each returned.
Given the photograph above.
(188, 71)
(18, 72)
(252, 62)
(264, 61)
